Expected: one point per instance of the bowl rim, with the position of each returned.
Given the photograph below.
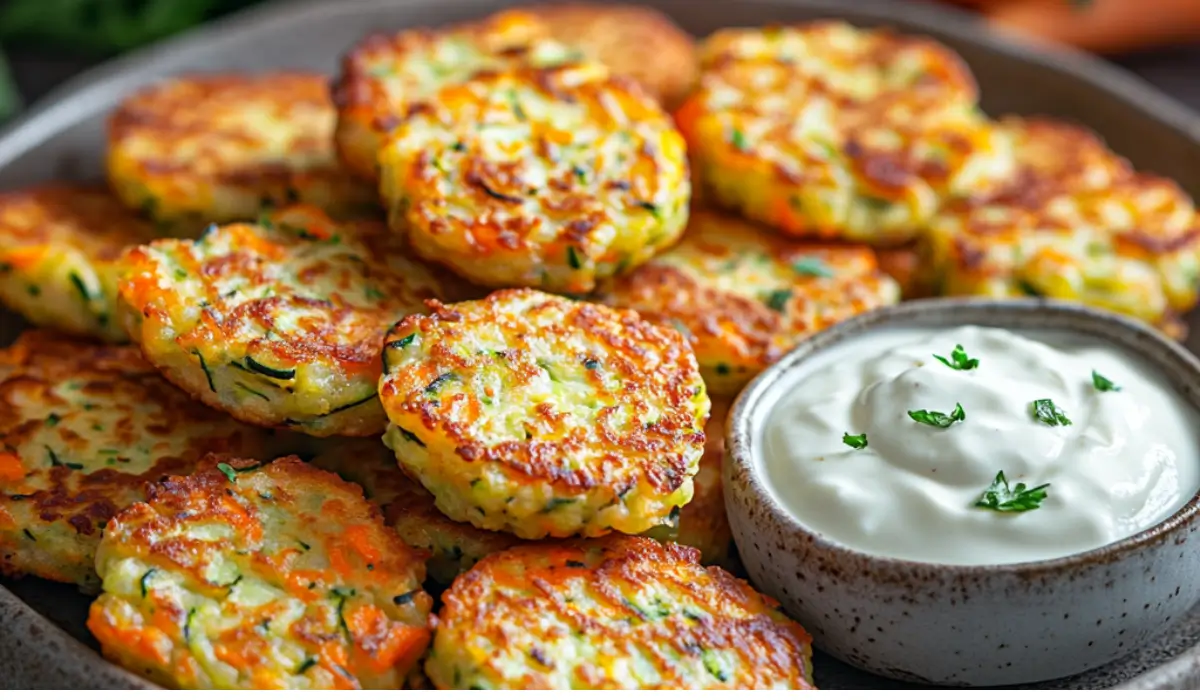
(744, 421)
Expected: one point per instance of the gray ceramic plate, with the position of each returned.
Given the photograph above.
(43, 642)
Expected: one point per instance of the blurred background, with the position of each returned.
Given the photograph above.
(43, 42)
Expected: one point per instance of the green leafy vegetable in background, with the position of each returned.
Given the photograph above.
(95, 26)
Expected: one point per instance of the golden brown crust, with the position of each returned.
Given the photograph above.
(541, 177)
(637, 41)
(279, 323)
(85, 428)
(303, 585)
(744, 297)
(531, 394)
(703, 523)
(576, 614)
(386, 77)
(58, 247)
(217, 148)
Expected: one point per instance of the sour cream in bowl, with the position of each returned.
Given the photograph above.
(973, 492)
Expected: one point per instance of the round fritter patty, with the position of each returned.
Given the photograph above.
(59, 245)
(614, 613)
(549, 178)
(386, 77)
(84, 428)
(1078, 224)
(836, 132)
(218, 148)
(744, 297)
(637, 41)
(452, 547)
(279, 323)
(702, 522)
(544, 416)
(250, 576)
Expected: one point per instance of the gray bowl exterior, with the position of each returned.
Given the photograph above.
(62, 138)
(960, 625)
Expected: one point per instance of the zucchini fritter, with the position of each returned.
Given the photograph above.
(385, 78)
(85, 427)
(219, 148)
(542, 177)
(744, 297)
(703, 523)
(248, 575)
(452, 547)
(279, 323)
(831, 131)
(59, 245)
(637, 41)
(614, 613)
(1077, 224)
(544, 416)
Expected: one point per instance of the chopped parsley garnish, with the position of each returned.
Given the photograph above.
(573, 258)
(939, 420)
(53, 419)
(1103, 383)
(778, 299)
(1000, 496)
(959, 359)
(1044, 411)
(856, 441)
(229, 472)
(738, 139)
(813, 267)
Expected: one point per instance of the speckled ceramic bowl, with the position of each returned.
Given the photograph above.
(964, 625)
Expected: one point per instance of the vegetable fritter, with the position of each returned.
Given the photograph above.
(744, 297)
(279, 323)
(831, 131)
(387, 77)
(703, 523)
(59, 245)
(453, 547)
(543, 177)
(544, 416)
(219, 148)
(633, 40)
(248, 575)
(1077, 224)
(614, 613)
(85, 427)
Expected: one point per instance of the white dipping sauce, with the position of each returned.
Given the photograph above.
(1127, 461)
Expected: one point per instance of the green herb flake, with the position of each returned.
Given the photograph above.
(411, 437)
(373, 294)
(778, 299)
(404, 598)
(738, 139)
(1001, 497)
(53, 419)
(937, 419)
(858, 442)
(229, 472)
(305, 665)
(573, 258)
(1103, 383)
(959, 359)
(80, 287)
(28, 534)
(145, 581)
(591, 364)
(1044, 411)
(812, 267)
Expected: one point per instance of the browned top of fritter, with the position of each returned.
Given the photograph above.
(86, 218)
(84, 428)
(554, 390)
(632, 40)
(577, 614)
(282, 569)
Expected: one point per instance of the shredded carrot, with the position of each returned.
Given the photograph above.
(359, 537)
(686, 117)
(787, 218)
(11, 468)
